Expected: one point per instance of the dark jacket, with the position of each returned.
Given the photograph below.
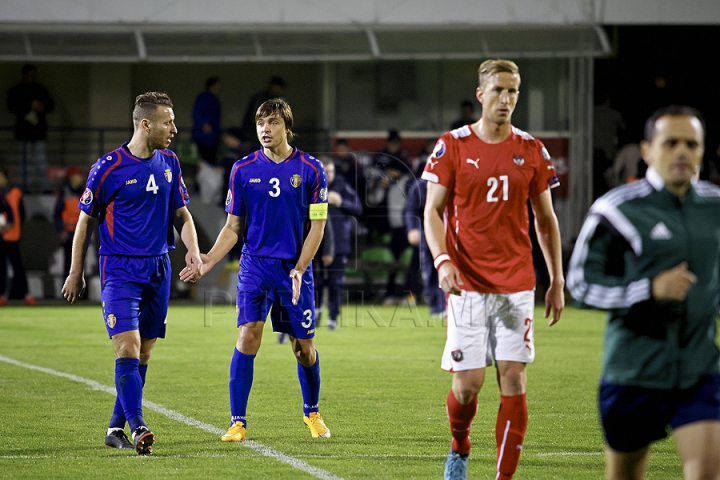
(19, 102)
(630, 235)
(342, 216)
(206, 110)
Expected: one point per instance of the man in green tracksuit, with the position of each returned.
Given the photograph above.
(649, 253)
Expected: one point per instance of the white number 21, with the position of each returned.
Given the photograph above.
(493, 184)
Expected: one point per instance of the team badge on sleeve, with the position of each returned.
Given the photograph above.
(168, 175)
(87, 197)
(295, 180)
(439, 149)
(323, 194)
(546, 154)
(228, 199)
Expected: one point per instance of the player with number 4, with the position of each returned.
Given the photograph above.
(277, 203)
(136, 195)
(480, 178)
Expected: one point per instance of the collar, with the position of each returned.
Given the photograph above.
(654, 179)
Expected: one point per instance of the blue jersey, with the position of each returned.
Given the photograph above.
(278, 200)
(135, 201)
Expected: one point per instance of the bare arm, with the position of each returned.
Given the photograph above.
(75, 282)
(309, 248)
(226, 240)
(448, 275)
(185, 225)
(548, 233)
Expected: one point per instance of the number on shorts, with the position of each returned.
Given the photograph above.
(308, 317)
(528, 325)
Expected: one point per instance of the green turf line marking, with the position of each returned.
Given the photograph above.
(177, 416)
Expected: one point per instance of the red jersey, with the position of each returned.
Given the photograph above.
(486, 215)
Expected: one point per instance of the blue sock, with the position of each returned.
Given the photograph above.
(310, 385)
(241, 377)
(118, 417)
(128, 384)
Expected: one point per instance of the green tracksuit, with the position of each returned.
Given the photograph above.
(630, 235)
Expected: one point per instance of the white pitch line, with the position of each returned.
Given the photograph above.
(258, 447)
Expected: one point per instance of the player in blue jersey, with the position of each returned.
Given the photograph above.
(277, 201)
(136, 194)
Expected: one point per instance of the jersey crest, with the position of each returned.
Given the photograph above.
(518, 160)
(168, 176)
(295, 180)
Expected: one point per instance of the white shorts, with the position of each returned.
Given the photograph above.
(482, 327)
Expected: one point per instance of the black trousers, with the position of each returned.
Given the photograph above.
(11, 251)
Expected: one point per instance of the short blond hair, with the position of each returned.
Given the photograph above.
(146, 105)
(496, 65)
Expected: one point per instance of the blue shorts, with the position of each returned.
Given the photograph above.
(634, 417)
(135, 294)
(264, 287)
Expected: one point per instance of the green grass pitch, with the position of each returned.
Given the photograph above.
(383, 397)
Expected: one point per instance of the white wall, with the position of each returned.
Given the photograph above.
(398, 12)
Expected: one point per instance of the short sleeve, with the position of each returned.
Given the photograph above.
(99, 183)
(440, 167)
(234, 202)
(180, 193)
(545, 176)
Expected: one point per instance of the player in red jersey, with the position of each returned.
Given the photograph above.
(480, 177)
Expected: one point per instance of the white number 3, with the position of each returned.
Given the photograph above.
(151, 185)
(276, 187)
(308, 316)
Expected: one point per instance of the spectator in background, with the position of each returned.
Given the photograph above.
(206, 121)
(30, 101)
(625, 167)
(275, 89)
(207, 135)
(343, 206)
(10, 244)
(418, 163)
(608, 125)
(387, 191)
(67, 211)
(467, 116)
(413, 213)
(347, 166)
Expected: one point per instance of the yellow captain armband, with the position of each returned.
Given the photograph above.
(318, 211)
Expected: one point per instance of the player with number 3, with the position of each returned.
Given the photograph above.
(277, 203)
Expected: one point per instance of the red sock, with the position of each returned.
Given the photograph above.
(509, 433)
(461, 417)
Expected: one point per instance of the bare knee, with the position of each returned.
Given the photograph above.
(467, 384)
(512, 378)
(250, 337)
(304, 351)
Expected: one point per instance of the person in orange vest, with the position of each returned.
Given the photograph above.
(67, 211)
(9, 246)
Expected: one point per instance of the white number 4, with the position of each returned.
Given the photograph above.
(151, 185)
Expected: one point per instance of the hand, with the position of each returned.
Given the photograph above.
(326, 260)
(74, 287)
(449, 278)
(335, 199)
(296, 276)
(193, 269)
(414, 237)
(555, 302)
(673, 284)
